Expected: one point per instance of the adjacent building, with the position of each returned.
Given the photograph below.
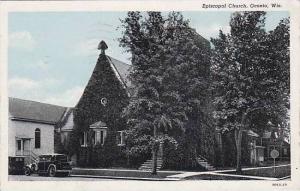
(31, 127)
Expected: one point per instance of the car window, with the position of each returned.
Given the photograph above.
(62, 158)
(45, 158)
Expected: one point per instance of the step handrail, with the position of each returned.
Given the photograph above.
(202, 157)
(199, 156)
(33, 156)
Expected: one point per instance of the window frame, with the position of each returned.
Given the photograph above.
(122, 138)
(37, 139)
(102, 135)
(19, 141)
(84, 141)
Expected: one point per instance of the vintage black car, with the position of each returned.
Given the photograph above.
(16, 165)
(50, 164)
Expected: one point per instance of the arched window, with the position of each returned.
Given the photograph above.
(37, 138)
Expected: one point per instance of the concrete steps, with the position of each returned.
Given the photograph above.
(205, 164)
(30, 158)
(147, 165)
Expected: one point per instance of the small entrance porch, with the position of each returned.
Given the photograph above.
(23, 148)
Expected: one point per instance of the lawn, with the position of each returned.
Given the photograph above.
(280, 172)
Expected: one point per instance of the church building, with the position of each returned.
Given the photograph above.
(95, 124)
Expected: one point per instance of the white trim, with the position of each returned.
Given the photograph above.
(93, 127)
(84, 139)
(66, 130)
(122, 139)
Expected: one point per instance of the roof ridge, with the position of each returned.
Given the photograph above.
(118, 60)
(34, 111)
(118, 75)
(38, 102)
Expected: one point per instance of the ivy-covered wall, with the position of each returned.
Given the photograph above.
(103, 84)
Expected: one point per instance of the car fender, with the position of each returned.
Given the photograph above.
(34, 167)
(29, 166)
(50, 166)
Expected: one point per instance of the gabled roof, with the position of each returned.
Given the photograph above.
(267, 135)
(122, 70)
(25, 110)
(252, 133)
(66, 122)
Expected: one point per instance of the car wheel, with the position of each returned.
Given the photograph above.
(27, 171)
(65, 174)
(51, 171)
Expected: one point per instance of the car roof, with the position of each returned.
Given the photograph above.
(53, 154)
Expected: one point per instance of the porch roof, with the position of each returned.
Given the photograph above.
(23, 137)
(98, 124)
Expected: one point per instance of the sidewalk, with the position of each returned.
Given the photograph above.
(128, 174)
(221, 173)
(125, 174)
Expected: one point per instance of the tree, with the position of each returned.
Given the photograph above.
(279, 72)
(187, 76)
(170, 67)
(142, 39)
(247, 82)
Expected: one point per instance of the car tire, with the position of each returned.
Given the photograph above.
(51, 171)
(65, 174)
(27, 171)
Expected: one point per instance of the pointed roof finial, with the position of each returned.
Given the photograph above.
(102, 46)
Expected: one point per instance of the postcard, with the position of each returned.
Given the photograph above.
(150, 95)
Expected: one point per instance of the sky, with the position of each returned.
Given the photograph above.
(51, 55)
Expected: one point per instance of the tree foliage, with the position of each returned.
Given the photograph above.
(170, 75)
(251, 75)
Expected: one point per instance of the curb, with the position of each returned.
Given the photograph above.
(129, 170)
(126, 178)
(283, 178)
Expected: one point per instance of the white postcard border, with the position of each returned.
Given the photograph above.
(15, 6)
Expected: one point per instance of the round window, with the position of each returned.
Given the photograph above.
(103, 101)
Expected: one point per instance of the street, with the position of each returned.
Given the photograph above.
(35, 177)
